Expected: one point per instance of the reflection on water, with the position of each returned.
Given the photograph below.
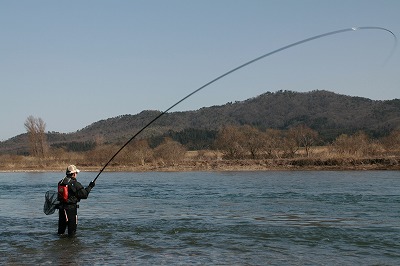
(255, 218)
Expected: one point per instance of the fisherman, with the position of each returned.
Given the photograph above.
(70, 192)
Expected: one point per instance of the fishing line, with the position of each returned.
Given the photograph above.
(242, 66)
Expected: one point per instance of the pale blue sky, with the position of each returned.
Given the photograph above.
(73, 63)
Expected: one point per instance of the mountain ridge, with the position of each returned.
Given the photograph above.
(329, 113)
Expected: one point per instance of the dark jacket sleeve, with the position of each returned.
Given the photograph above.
(81, 192)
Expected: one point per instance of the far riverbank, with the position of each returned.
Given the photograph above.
(392, 163)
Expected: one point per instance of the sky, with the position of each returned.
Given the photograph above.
(73, 63)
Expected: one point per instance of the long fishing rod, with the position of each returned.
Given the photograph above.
(242, 66)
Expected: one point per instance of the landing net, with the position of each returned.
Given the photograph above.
(50, 202)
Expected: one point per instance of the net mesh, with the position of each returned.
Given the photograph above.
(50, 202)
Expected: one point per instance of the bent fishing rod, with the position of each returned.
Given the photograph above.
(242, 66)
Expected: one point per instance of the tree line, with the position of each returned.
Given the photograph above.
(232, 142)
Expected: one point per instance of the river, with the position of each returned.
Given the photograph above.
(208, 218)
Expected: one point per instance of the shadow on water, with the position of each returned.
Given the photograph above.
(63, 250)
(34, 241)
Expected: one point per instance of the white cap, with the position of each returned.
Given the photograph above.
(72, 169)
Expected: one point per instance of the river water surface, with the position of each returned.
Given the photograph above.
(208, 218)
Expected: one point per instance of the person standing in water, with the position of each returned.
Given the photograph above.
(70, 192)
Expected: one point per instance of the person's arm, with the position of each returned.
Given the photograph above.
(81, 192)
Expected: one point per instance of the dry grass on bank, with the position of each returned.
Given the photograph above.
(321, 159)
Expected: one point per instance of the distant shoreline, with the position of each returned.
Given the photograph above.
(305, 164)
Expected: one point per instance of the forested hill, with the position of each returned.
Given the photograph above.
(328, 113)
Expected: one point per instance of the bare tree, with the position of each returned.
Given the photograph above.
(30, 126)
(392, 142)
(273, 142)
(358, 144)
(289, 145)
(253, 140)
(101, 154)
(170, 151)
(35, 128)
(304, 137)
(138, 152)
(230, 142)
(341, 145)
